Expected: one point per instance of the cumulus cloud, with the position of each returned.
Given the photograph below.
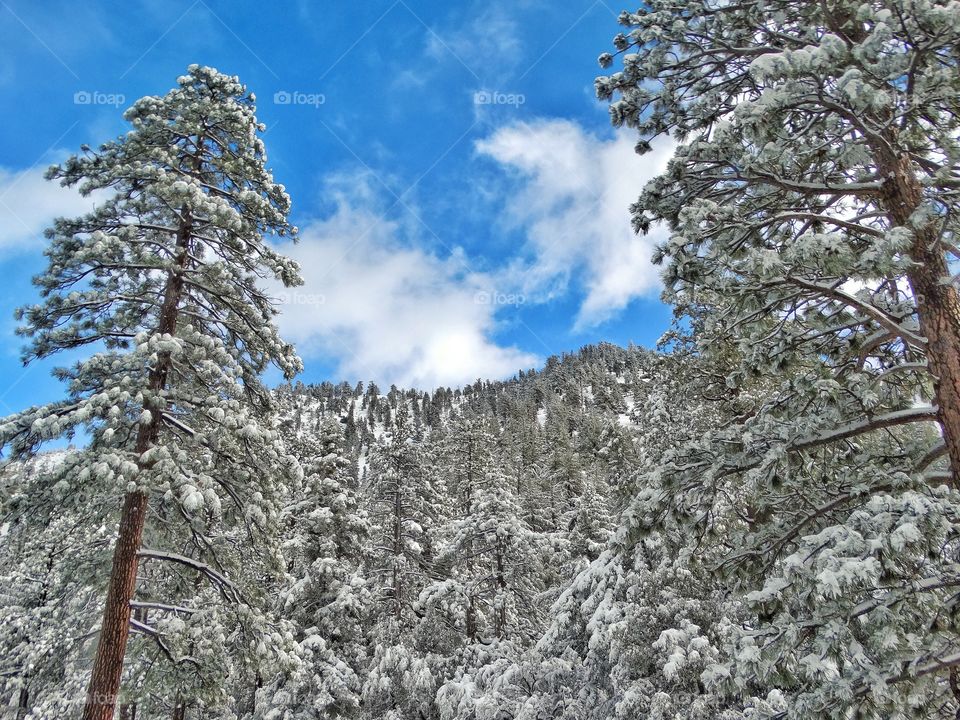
(389, 311)
(571, 198)
(28, 203)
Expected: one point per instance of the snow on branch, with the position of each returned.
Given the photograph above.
(162, 606)
(911, 338)
(178, 424)
(214, 575)
(844, 432)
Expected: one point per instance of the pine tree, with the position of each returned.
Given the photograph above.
(404, 511)
(327, 600)
(812, 208)
(161, 281)
(491, 559)
(54, 544)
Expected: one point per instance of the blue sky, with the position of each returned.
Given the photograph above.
(461, 195)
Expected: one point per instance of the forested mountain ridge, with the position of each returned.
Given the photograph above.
(489, 508)
(426, 540)
(600, 382)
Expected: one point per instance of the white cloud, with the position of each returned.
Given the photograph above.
(382, 309)
(28, 204)
(571, 197)
(390, 312)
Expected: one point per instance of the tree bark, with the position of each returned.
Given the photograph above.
(23, 701)
(471, 621)
(128, 711)
(108, 664)
(938, 304)
(107, 671)
(939, 309)
(501, 616)
(179, 708)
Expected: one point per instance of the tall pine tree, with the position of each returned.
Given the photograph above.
(162, 281)
(812, 208)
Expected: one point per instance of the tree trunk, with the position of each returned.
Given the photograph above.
(108, 664)
(940, 323)
(23, 701)
(938, 304)
(397, 551)
(107, 671)
(179, 708)
(471, 621)
(501, 616)
(128, 711)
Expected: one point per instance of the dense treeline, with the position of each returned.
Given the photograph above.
(424, 545)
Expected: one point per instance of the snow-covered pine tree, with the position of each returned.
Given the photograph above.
(468, 456)
(325, 536)
(473, 557)
(630, 638)
(404, 509)
(813, 208)
(162, 282)
(487, 604)
(491, 577)
(54, 547)
(630, 634)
